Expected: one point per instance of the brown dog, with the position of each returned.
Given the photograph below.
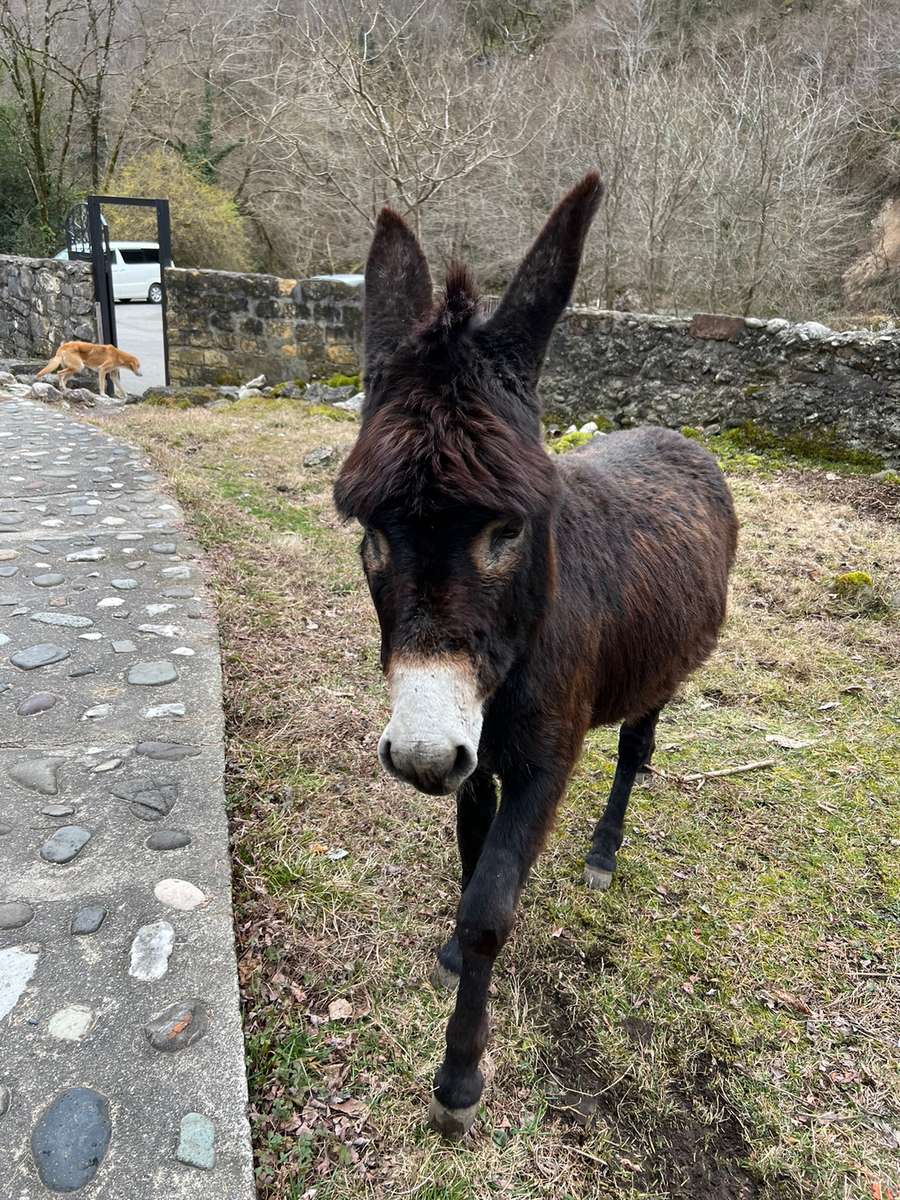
(73, 357)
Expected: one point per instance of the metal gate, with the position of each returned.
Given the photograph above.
(87, 238)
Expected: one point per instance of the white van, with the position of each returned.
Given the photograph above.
(135, 270)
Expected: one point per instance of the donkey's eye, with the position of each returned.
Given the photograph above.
(505, 534)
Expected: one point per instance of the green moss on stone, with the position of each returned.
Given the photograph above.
(821, 446)
(569, 441)
(185, 397)
(279, 389)
(339, 380)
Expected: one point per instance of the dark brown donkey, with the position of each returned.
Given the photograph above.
(522, 599)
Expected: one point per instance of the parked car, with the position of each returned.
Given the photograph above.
(135, 270)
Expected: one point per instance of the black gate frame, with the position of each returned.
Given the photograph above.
(98, 242)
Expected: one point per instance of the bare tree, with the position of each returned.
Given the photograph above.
(77, 70)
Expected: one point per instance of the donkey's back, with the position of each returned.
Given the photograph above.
(648, 534)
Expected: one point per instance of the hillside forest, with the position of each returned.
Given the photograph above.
(750, 149)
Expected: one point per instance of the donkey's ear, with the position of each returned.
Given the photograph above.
(398, 287)
(542, 287)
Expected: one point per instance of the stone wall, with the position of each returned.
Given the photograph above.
(44, 301)
(712, 370)
(226, 327)
(627, 367)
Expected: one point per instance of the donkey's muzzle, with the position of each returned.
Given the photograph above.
(434, 768)
(431, 740)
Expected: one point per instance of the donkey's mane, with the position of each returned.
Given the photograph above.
(424, 454)
(456, 307)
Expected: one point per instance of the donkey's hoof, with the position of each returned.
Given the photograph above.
(452, 1123)
(596, 878)
(442, 979)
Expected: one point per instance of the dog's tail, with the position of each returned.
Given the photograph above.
(55, 361)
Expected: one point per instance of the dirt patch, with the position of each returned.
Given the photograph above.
(685, 1156)
(865, 495)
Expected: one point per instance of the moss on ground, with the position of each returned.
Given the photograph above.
(721, 1023)
(184, 397)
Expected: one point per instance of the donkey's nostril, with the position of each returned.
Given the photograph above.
(464, 763)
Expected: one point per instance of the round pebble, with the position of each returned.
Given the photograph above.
(180, 894)
(51, 579)
(124, 585)
(196, 1142)
(65, 844)
(149, 799)
(72, 1023)
(58, 810)
(70, 1139)
(14, 914)
(42, 655)
(150, 951)
(38, 703)
(87, 920)
(168, 839)
(152, 674)
(178, 1026)
(66, 620)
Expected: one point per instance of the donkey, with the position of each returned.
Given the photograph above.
(522, 600)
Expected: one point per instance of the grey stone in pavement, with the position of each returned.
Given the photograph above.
(72, 1018)
(71, 1138)
(152, 674)
(43, 654)
(14, 914)
(62, 846)
(196, 1142)
(37, 774)
(38, 702)
(87, 920)
(178, 1026)
(168, 839)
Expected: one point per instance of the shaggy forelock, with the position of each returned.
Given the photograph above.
(422, 455)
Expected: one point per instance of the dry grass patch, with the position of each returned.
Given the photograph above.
(722, 1025)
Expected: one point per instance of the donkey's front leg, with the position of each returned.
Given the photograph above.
(476, 805)
(484, 922)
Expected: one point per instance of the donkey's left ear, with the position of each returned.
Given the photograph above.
(398, 288)
(542, 287)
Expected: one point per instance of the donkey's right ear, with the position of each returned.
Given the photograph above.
(398, 288)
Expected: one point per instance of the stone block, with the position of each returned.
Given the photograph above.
(342, 354)
(716, 327)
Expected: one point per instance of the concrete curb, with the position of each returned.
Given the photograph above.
(121, 1054)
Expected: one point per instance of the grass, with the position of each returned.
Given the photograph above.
(721, 1025)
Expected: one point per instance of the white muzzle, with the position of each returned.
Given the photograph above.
(431, 740)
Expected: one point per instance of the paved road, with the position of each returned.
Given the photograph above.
(139, 331)
(121, 1057)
